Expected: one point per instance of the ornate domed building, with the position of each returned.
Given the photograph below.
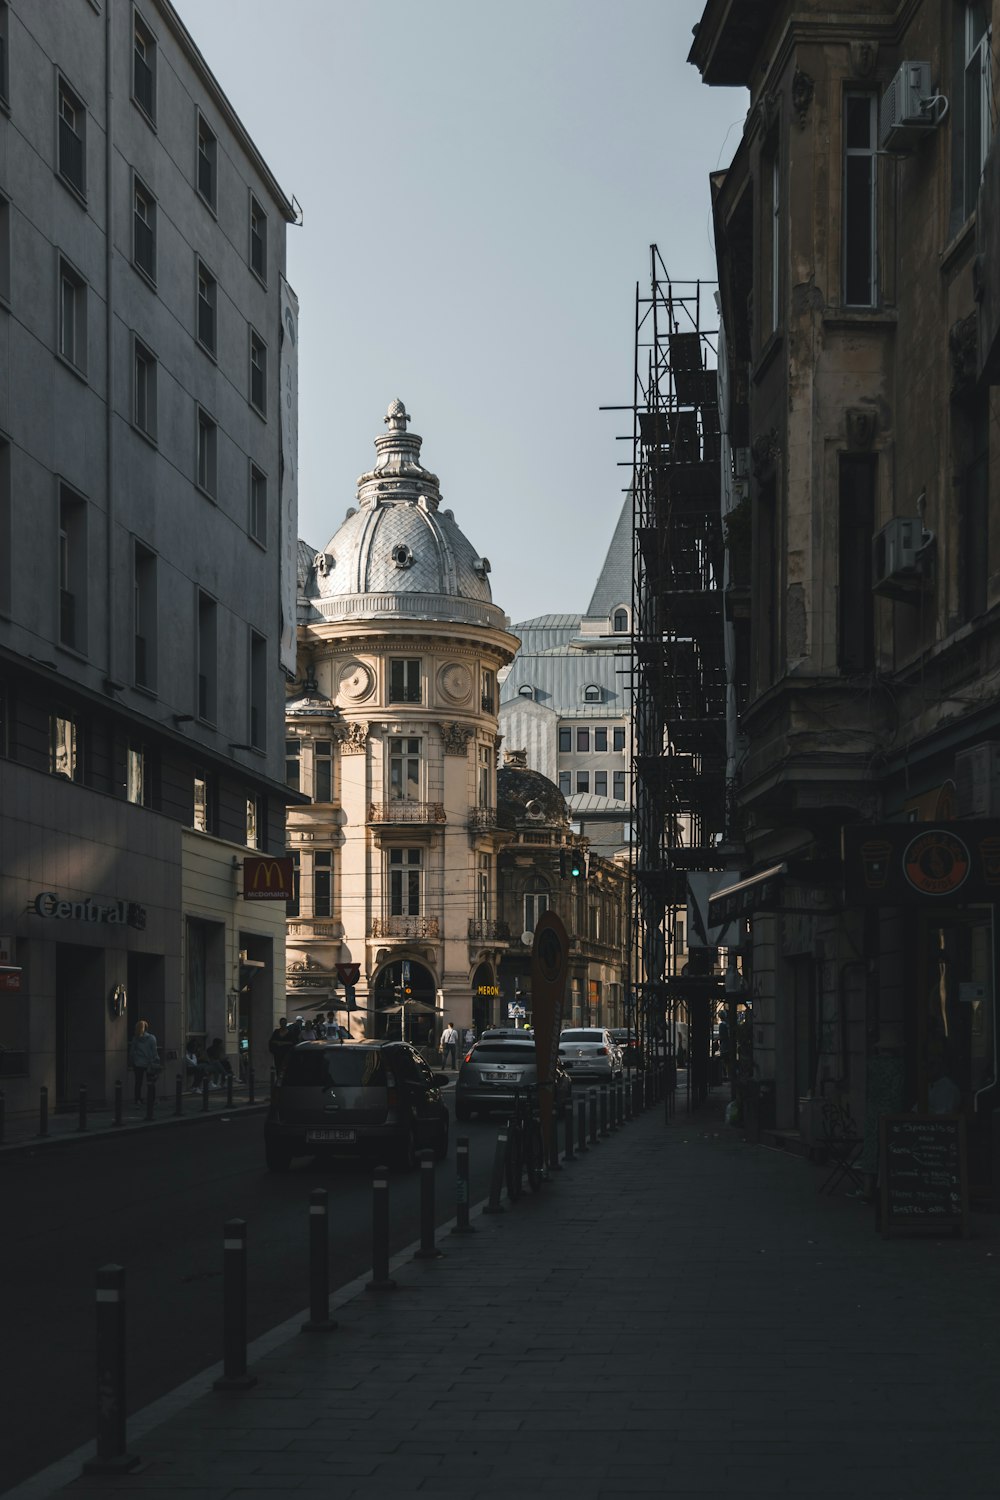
(392, 731)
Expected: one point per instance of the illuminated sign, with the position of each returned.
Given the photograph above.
(266, 878)
(50, 904)
(493, 990)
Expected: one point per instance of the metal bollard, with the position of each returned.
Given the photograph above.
(627, 1091)
(234, 1375)
(496, 1181)
(592, 1102)
(568, 1133)
(250, 1086)
(81, 1123)
(462, 1186)
(581, 1126)
(112, 1456)
(118, 1103)
(428, 1250)
(204, 1095)
(319, 1320)
(555, 1165)
(150, 1098)
(43, 1110)
(229, 1090)
(178, 1095)
(381, 1280)
(605, 1123)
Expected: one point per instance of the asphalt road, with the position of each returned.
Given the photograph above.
(155, 1203)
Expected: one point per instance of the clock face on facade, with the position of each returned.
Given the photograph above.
(356, 681)
(455, 681)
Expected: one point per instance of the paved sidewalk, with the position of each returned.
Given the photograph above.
(20, 1131)
(678, 1314)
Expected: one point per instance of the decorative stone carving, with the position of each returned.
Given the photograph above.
(324, 562)
(455, 682)
(864, 56)
(768, 108)
(802, 93)
(861, 424)
(765, 450)
(352, 738)
(357, 681)
(963, 346)
(456, 739)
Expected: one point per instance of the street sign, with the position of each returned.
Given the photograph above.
(406, 970)
(515, 1010)
(349, 974)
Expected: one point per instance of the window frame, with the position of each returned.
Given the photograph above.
(138, 753)
(207, 655)
(70, 277)
(257, 695)
(618, 781)
(406, 692)
(582, 784)
(293, 757)
(76, 753)
(204, 131)
(142, 32)
(567, 778)
(404, 753)
(974, 156)
(406, 894)
(856, 153)
(618, 735)
(144, 617)
(66, 91)
(4, 56)
(5, 255)
(258, 347)
(206, 423)
(73, 570)
(259, 272)
(143, 358)
(141, 191)
(583, 740)
(257, 514)
(322, 870)
(207, 305)
(621, 615)
(565, 740)
(208, 822)
(592, 693)
(323, 757)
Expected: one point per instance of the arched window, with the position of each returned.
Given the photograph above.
(591, 693)
(620, 621)
(525, 690)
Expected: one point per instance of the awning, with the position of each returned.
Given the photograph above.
(756, 893)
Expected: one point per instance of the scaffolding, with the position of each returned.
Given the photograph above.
(678, 664)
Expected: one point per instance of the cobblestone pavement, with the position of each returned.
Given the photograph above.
(678, 1313)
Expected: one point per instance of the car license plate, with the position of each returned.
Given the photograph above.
(331, 1135)
(501, 1077)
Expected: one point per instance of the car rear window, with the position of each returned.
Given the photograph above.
(343, 1067)
(504, 1052)
(582, 1036)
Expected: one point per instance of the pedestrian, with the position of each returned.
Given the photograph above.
(449, 1044)
(143, 1057)
(281, 1043)
(470, 1038)
(308, 1032)
(319, 1026)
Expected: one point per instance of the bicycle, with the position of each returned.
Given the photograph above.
(525, 1152)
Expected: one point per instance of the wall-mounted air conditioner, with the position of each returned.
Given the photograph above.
(899, 558)
(910, 108)
(977, 780)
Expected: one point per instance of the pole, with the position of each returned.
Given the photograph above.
(111, 1456)
(234, 1375)
(428, 1250)
(319, 1320)
(43, 1110)
(381, 1280)
(496, 1181)
(555, 1165)
(463, 1191)
(581, 1126)
(568, 1133)
(592, 1101)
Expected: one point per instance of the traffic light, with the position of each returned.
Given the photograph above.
(407, 991)
(576, 866)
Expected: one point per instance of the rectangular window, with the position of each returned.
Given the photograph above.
(978, 98)
(292, 906)
(293, 762)
(207, 453)
(72, 317)
(144, 390)
(565, 783)
(859, 216)
(144, 68)
(486, 758)
(855, 606)
(565, 741)
(323, 883)
(73, 570)
(404, 882)
(619, 739)
(207, 161)
(72, 139)
(488, 691)
(207, 301)
(258, 373)
(600, 783)
(137, 777)
(484, 888)
(256, 822)
(323, 770)
(258, 504)
(203, 816)
(618, 786)
(583, 781)
(207, 657)
(535, 902)
(258, 690)
(600, 739)
(4, 249)
(583, 740)
(144, 617)
(404, 680)
(65, 747)
(143, 230)
(404, 769)
(258, 239)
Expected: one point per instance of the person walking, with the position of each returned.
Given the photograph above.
(281, 1043)
(449, 1044)
(143, 1057)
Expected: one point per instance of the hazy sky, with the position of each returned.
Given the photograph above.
(480, 186)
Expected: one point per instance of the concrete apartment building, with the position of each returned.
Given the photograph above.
(859, 265)
(147, 547)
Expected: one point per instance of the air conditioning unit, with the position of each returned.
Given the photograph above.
(910, 108)
(898, 558)
(977, 780)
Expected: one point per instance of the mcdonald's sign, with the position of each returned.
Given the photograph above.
(266, 878)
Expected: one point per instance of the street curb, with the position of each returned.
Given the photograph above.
(132, 1127)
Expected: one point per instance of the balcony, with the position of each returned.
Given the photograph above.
(488, 932)
(318, 927)
(482, 818)
(401, 810)
(405, 927)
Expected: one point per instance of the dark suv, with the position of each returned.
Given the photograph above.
(498, 1067)
(376, 1098)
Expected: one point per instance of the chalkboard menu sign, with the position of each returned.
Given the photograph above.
(922, 1174)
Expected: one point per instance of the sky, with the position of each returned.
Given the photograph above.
(480, 186)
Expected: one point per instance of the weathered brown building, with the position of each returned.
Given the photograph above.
(859, 269)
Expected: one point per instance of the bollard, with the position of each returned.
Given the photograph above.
(112, 1456)
(234, 1375)
(496, 1181)
(581, 1126)
(568, 1133)
(178, 1095)
(593, 1138)
(3, 1114)
(118, 1103)
(555, 1165)
(250, 1086)
(605, 1123)
(428, 1250)
(81, 1123)
(204, 1095)
(229, 1090)
(381, 1280)
(628, 1099)
(319, 1320)
(150, 1098)
(43, 1110)
(462, 1185)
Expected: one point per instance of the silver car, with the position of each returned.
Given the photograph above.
(590, 1054)
(495, 1069)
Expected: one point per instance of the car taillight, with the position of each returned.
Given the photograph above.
(468, 1055)
(605, 1052)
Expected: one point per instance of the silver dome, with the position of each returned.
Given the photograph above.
(398, 553)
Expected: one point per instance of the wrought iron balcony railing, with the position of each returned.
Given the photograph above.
(482, 817)
(488, 932)
(402, 810)
(405, 927)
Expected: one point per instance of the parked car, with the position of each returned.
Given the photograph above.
(498, 1065)
(628, 1045)
(590, 1053)
(375, 1098)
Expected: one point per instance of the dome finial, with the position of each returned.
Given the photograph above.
(397, 416)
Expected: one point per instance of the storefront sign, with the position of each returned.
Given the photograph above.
(491, 990)
(50, 904)
(266, 878)
(10, 981)
(914, 864)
